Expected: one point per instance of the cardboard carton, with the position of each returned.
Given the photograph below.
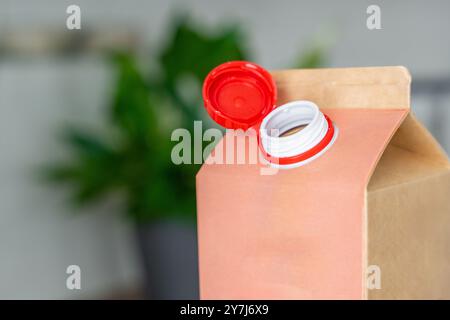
(370, 219)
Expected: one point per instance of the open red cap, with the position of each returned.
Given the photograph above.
(239, 94)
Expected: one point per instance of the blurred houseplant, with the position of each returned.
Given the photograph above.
(134, 159)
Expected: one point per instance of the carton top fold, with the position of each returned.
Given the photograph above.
(346, 88)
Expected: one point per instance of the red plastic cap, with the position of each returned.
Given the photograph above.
(239, 94)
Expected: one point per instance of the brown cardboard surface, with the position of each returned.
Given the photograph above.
(414, 137)
(310, 232)
(409, 238)
(408, 217)
(361, 88)
(398, 165)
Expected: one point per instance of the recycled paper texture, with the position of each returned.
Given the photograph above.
(369, 219)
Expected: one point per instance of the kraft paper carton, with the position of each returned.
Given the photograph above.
(370, 219)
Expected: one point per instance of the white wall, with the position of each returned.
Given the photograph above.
(39, 233)
(413, 31)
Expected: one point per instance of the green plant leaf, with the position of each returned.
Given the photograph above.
(314, 57)
(91, 168)
(134, 159)
(193, 52)
(132, 109)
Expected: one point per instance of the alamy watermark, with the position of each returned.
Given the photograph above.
(373, 277)
(237, 147)
(73, 21)
(73, 281)
(373, 21)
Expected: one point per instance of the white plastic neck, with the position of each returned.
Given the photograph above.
(287, 117)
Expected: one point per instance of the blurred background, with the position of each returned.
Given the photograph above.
(86, 117)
